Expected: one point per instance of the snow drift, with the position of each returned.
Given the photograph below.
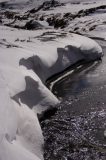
(71, 50)
(24, 68)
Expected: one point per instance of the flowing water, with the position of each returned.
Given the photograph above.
(77, 130)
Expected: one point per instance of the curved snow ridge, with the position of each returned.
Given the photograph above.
(73, 49)
(23, 93)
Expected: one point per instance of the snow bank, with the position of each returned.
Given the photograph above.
(71, 50)
(24, 68)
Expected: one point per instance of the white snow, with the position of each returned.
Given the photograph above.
(26, 62)
(24, 71)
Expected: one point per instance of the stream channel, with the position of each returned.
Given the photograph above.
(77, 130)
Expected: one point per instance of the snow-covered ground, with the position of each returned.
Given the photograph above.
(27, 59)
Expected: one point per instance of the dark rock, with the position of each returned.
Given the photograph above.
(60, 23)
(92, 28)
(32, 25)
(47, 114)
(41, 18)
(57, 22)
(46, 5)
(2, 4)
(9, 14)
(101, 7)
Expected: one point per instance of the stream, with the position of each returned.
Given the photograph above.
(77, 130)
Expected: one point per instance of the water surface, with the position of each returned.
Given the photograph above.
(76, 131)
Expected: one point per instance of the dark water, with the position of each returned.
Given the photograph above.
(76, 131)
